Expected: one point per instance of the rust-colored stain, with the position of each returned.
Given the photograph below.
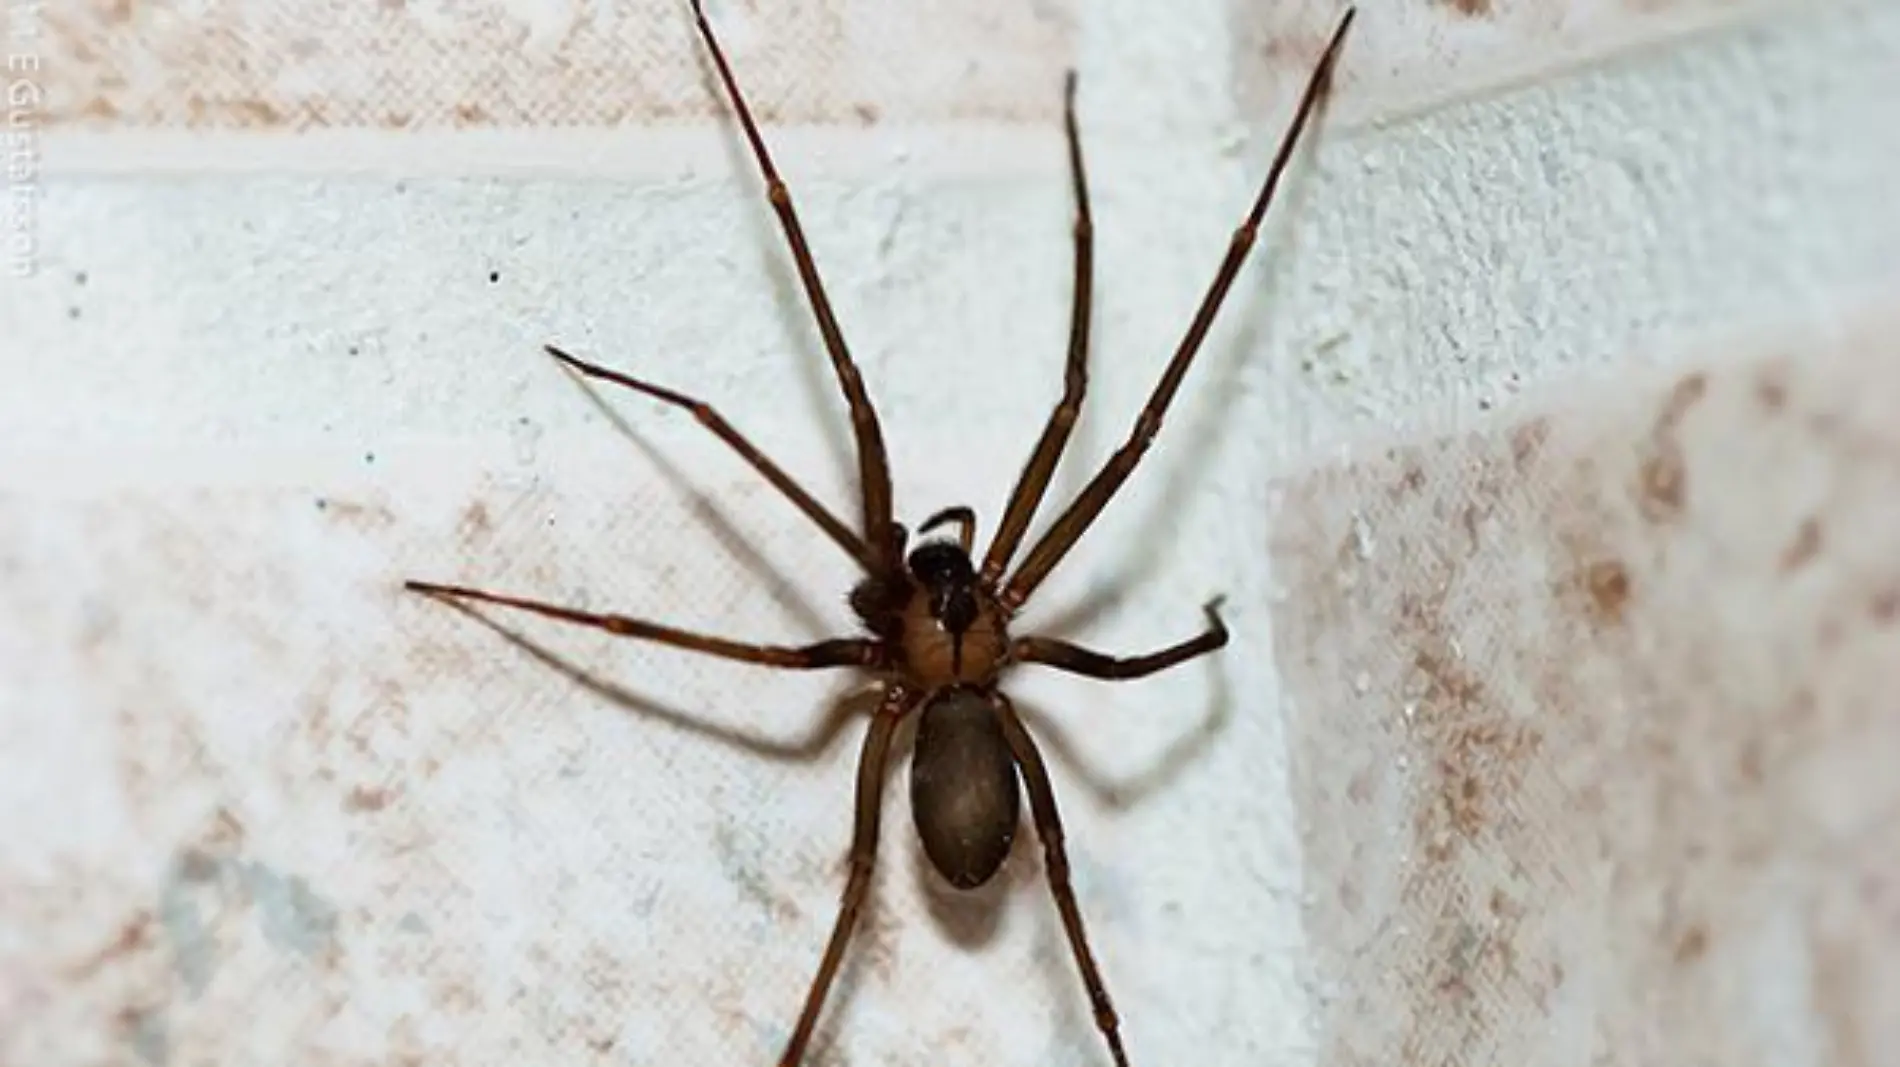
(1805, 546)
(1772, 391)
(1885, 606)
(135, 936)
(1607, 739)
(1468, 8)
(1692, 945)
(359, 516)
(476, 525)
(1663, 481)
(232, 65)
(1527, 440)
(361, 799)
(1411, 480)
(1607, 582)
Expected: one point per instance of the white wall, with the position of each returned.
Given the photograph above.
(318, 819)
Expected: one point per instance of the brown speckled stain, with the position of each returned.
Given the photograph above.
(366, 799)
(1663, 481)
(1527, 440)
(1772, 391)
(1468, 8)
(231, 65)
(134, 937)
(476, 525)
(1610, 741)
(357, 515)
(250, 678)
(1885, 606)
(1607, 582)
(1691, 946)
(1805, 546)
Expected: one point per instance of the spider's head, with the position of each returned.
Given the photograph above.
(949, 579)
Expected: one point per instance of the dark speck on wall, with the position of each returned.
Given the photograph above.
(79, 277)
(494, 276)
(72, 312)
(369, 457)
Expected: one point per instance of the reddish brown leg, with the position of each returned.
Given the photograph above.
(877, 748)
(874, 475)
(1034, 480)
(838, 652)
(1042, 808)
(1075, 659)
(1073, 523)
(712, 420)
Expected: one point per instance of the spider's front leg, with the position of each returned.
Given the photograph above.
(836, 652)
(1075, 659)
(874, 470)
(1081, 514)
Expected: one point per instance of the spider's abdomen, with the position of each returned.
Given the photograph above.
(963, 791)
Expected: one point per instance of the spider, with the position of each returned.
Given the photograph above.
(937, 624)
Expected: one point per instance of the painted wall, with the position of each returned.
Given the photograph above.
(1543, 455)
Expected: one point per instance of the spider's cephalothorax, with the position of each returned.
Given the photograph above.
(953, 629)
(938, 622)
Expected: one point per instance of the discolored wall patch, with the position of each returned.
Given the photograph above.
(1410, 54)
(1583, 715)
(111, 64)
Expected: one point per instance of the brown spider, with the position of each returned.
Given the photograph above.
(939, 626)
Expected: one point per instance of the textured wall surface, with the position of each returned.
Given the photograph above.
(1591, 711)
(1541, 456)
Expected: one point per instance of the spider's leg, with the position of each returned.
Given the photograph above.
(1034, 480)
(898, 702)
(1042, 808)
(712, 420)
(874, 474)
(1075, 659)
(1073, 523)
(837, 652)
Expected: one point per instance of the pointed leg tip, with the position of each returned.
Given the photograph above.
(573, 364)
(565, 358)
(1345, 23)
